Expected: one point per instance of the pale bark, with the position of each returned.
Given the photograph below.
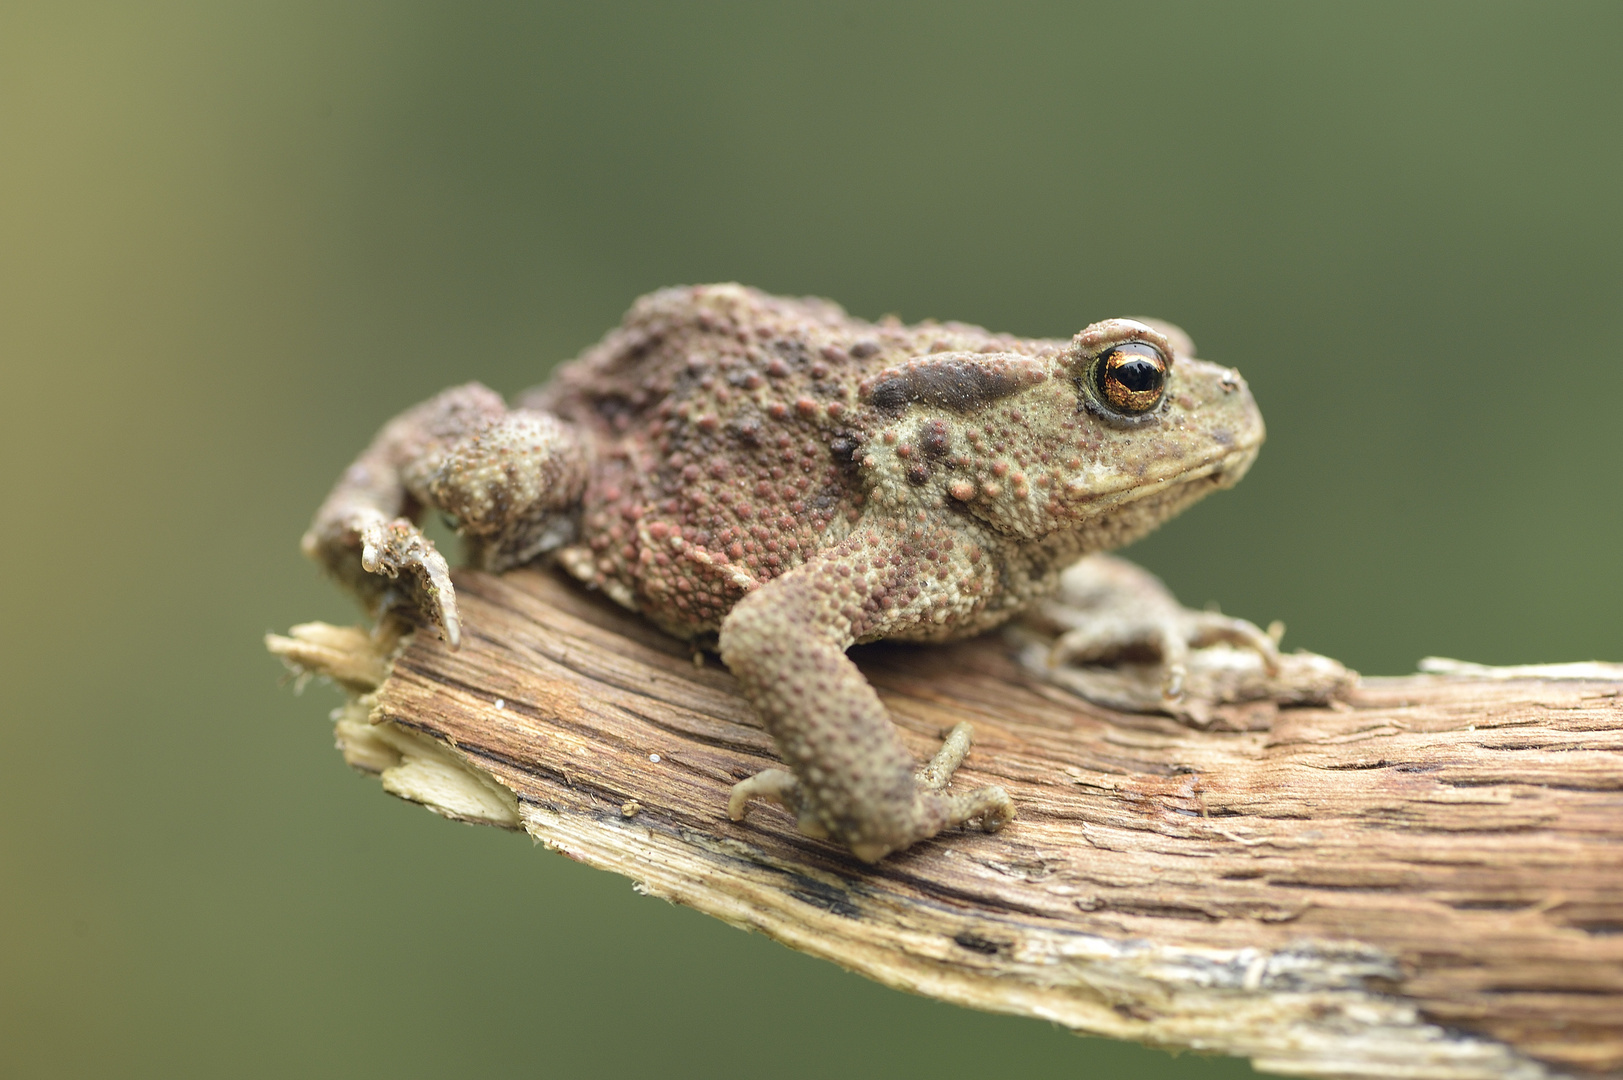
(1424, 881)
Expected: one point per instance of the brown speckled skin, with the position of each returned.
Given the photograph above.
(794, 480)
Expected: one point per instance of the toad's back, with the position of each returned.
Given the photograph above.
(725, 421)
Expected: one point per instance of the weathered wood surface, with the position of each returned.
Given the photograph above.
(1426, 881)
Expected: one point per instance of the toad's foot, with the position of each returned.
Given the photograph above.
(1115, 635)
(989, 806)
(780, 787)
(390, 548)
(509, 482)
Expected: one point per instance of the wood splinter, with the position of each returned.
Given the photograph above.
(1424, 881)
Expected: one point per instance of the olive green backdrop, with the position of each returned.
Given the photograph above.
(234, 238)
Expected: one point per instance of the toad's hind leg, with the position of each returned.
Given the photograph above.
(507, 480)
(853, 779)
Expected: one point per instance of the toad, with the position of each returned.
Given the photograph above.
(778, 480)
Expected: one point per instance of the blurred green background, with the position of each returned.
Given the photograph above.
(235, 238)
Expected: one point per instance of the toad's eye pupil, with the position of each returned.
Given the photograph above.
(1137, 375)
(1132, 377)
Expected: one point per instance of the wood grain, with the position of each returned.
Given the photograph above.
(1424, 881)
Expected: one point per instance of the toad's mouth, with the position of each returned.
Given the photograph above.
(1219, 471)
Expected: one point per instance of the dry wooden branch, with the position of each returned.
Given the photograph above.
(1424, 882)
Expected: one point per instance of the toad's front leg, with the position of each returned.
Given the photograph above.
(853, 780)
(508, 481)
(1115, 635)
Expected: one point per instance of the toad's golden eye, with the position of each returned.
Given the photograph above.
(1132, 377)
